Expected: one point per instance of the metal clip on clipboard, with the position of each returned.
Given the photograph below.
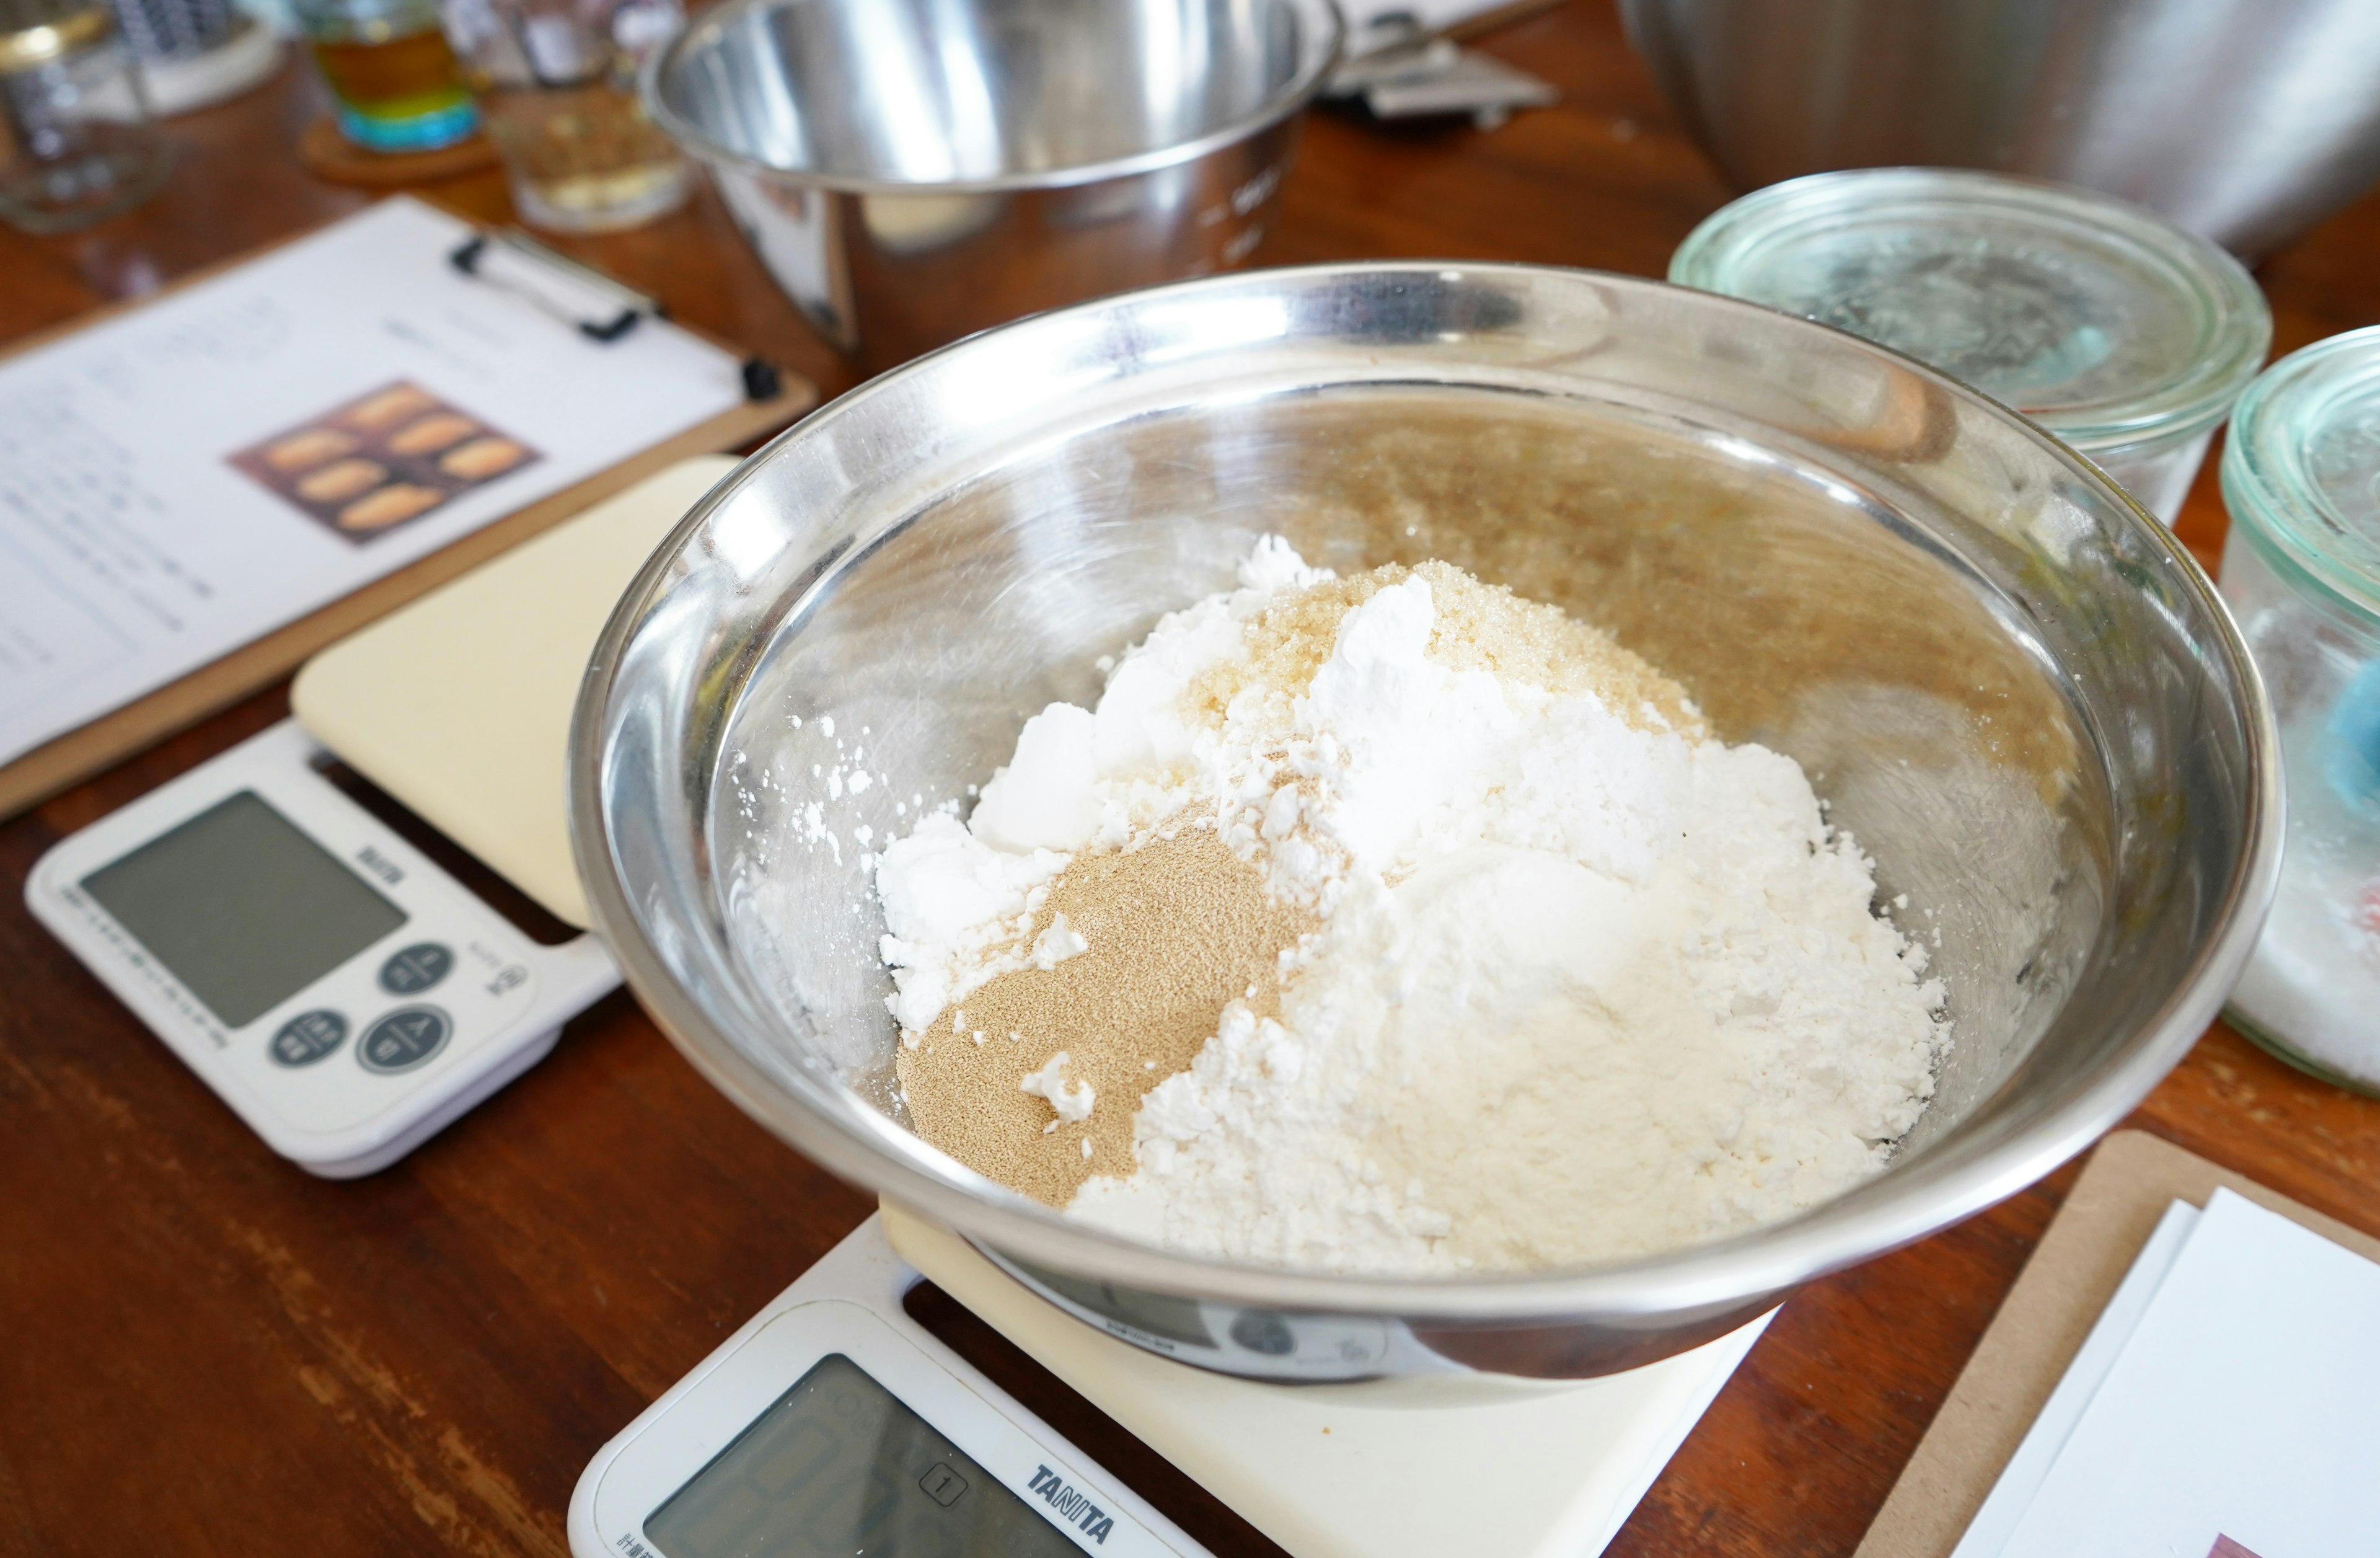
(586, 299)
(578, 296)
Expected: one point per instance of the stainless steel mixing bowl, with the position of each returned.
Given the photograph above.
(2245, 120)
(2010, 683)
(913, 170)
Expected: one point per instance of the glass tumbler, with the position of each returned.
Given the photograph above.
(76, 142)
(2301, 571)
(2121, 333)
(559, 79)
(394, 81)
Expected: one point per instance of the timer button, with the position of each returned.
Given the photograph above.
(403, 1039)
(307, 1036)
(415, 968)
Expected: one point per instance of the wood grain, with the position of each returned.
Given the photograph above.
(207, 1351)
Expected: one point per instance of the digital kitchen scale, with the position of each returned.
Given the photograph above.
(342, 992)
(833, 1423)
(346, 996)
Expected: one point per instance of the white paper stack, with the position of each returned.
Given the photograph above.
(2227, 1404)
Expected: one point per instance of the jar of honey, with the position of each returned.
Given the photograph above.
(393, 77)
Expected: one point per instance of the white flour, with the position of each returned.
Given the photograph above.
(1586, 986)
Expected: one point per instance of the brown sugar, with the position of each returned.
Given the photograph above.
(1479, 628)
(1178, 926)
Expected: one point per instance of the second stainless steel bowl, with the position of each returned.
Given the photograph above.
(2010, 683)
(2245, 120)
(911, 171)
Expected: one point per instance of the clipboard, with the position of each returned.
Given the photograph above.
(2131, 1178)
(66, 760)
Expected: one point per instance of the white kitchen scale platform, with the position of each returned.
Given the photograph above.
(409, 1001)
(834, 1423)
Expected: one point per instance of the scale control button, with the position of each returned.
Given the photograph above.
(1262, 1333)
(309, 1036)
(941, 1484)
(404, 1038)
(415, 968)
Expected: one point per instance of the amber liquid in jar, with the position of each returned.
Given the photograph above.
(398, 94)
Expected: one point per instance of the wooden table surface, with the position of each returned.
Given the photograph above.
(204, 1350)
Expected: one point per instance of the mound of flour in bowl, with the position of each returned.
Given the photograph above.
(1393, 924)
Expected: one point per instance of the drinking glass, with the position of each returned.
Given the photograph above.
(76, 142)
(558, 80)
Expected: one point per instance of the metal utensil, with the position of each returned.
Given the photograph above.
(2246, 120)
(911, 171)
(2012, 686)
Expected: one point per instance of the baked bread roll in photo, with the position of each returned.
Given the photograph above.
(483, 457)
(301, 450)
(396, 403)
(441, 430)
(393, 505)
(334, 483)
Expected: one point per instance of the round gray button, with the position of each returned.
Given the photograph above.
(403, 1039)
(1262, 1333)
(415, 968)
(307, 1036)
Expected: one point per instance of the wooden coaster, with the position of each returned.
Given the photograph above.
(329, 156)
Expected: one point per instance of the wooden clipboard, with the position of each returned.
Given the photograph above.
(66, 760)
(2131, 1178)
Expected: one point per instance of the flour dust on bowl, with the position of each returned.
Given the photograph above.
(2009, 684)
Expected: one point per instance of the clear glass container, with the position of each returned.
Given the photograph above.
(2302, 569)
(394, 85)
(76, 142)
(2126, 336)
(559, 81)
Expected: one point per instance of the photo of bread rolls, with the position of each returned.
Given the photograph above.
(393, 505)
(398, 403)
(387, 458)
(482, 458)
(440, 429)
(301, 450)
(336, 483)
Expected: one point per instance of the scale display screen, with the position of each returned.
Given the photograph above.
(241, 907)
(838, 1466)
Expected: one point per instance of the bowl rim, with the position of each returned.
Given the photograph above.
(1756, 1265)
(1281, 103)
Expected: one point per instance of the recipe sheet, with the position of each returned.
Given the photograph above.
(2226, 1405)
(186, 476)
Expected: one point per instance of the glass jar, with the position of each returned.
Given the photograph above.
(559, 79)
(2121, 333)
(394, 85)
(76, 142)
(2301, 571)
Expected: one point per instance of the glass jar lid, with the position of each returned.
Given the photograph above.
(2302, 467)
(2100, 322)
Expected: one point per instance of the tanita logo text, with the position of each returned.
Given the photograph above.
(1072, 1506)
